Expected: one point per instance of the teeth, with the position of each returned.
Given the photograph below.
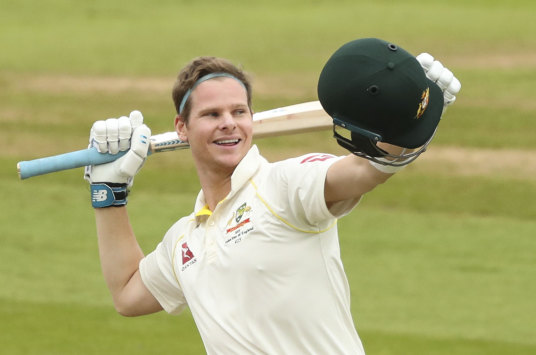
(229, 141)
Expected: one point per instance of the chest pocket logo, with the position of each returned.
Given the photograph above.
(239, 224)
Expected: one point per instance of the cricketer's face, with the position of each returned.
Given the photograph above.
(219, 128)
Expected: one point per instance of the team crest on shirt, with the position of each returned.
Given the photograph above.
(239, 224)
(188, 257)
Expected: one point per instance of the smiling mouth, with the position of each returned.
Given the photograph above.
(228, 142)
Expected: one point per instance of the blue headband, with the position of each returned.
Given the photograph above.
(205, 78)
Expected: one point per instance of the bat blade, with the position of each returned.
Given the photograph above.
(299, 118)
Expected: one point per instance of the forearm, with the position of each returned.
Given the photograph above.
(353, 176)
(119, 250)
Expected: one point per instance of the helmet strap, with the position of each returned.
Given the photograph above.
(358, 143)
(366, 147)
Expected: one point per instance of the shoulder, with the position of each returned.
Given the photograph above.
(305, 164)
(315, 158)
(295, 168)
(294, 188)
(307, 160)
(182, 222)
(178, 229)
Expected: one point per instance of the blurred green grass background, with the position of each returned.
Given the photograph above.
(441, 260)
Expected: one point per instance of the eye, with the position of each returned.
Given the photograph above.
(240, 111)
(211, 114)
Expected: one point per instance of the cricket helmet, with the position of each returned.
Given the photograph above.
(378, 92)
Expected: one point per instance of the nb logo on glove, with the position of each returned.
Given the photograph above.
(103, 195)
(99, 196)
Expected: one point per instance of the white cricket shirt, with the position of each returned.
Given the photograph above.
(262, 273)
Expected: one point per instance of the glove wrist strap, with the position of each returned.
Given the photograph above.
(387, 169)
(107, 194)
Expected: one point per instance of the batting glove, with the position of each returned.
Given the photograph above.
(443, 77)
(110, 182)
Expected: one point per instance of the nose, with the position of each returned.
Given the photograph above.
(228, 121)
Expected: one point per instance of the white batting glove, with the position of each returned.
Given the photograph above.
(110, 182)
(440, 75)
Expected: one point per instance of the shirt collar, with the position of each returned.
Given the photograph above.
(243, 172)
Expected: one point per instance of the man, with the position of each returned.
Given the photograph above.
(257, 261)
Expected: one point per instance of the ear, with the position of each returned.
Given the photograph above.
(180, 128)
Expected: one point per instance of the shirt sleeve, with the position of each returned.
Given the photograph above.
(158, 275)
(303, 184)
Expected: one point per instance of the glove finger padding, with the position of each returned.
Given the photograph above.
(136, 119)
(132, 162)
(454, 87)
(443, 77)
(112, 133)
(125, 131)
(425, 60)
(444, 80)
(97, 136)
(112, 136)
(435, 70)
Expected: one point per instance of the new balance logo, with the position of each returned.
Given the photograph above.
(100, 195)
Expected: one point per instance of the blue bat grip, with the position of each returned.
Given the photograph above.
(71, 160)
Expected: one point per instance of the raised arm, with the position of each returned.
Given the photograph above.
(119, 250)
(120, 255)
(353, 176)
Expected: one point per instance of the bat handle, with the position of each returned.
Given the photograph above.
(65, 161)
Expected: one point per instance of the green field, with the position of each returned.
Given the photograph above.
(441, 260)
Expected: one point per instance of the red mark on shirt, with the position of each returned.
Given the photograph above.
(187, 254)
(317, 157)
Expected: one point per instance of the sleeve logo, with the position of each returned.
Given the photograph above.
(317, 157)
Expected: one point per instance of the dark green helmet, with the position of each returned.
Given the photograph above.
(379, 93)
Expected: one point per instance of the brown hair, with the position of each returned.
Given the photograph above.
(198, 68)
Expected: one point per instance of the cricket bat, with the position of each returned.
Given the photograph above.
(299, 118)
